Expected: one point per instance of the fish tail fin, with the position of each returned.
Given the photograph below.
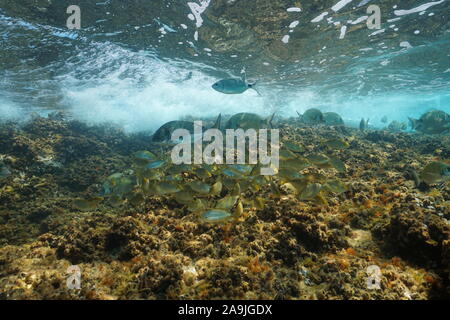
(252, 86)
(269, 120)
(217, 123)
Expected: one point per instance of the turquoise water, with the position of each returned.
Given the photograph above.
(143, 63)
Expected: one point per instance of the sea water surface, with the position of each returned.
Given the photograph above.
(141, 63)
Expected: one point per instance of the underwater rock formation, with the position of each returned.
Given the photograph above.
(155, 248)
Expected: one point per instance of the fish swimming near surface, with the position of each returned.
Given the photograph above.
(247, 121)
(337, 144)
(143, 157)
(188, 77)
(164, 133)
(432, 122)
(234, 85)
(363, 124)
